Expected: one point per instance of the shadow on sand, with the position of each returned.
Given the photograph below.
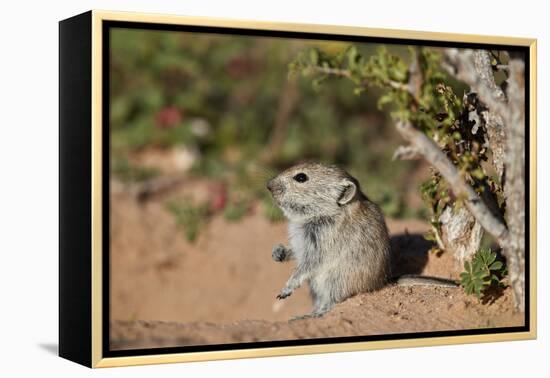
(409, 253)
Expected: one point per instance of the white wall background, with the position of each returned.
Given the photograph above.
(29, 174)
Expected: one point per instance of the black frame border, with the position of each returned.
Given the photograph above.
(75, 182)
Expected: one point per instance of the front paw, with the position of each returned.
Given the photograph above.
(286, 292)
(278, 253)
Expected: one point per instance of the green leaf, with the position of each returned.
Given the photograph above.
(481, 272)
(352, 57)
(478, 173)
(358, 90)
(313, 57)
(491, 256)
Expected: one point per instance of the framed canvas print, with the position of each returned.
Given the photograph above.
(235, 189)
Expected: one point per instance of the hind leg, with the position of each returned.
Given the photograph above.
(320, 306)
(317, 312)
(324, 300)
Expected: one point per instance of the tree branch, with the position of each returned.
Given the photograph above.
(461, 189)
(347, 74)
(505, 123)
(474, 68)
(514, 187)
(406, 153)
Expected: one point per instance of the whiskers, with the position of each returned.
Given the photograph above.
(259, 174)
(257, 177)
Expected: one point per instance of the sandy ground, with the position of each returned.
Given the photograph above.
(166, 291)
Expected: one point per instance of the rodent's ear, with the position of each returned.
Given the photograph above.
(348, 192)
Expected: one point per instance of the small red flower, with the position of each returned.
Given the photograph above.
(168, 117)
(218, 197)
(240, 67)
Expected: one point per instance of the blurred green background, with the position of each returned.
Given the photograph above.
(224, 108)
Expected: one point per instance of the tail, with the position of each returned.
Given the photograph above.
(413, 280)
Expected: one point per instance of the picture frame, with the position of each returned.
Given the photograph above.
(84, 236)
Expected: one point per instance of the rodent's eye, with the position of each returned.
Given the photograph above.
(300, 177)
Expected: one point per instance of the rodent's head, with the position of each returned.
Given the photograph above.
(311, 189)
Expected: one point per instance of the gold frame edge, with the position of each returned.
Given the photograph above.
(533, 187)
(310, 28)
(97, 177)
(98, 16)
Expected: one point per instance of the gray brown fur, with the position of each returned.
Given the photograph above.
(338, 237)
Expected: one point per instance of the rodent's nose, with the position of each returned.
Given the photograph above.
(269, 185)
(274, 186)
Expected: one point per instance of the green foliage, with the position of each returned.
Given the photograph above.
(235, 210)
(380, 70)
(416, 90)
(127, 172)
(221, 96)
(390, 204)
(482, 272)
(271, 211)
(189, 216)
